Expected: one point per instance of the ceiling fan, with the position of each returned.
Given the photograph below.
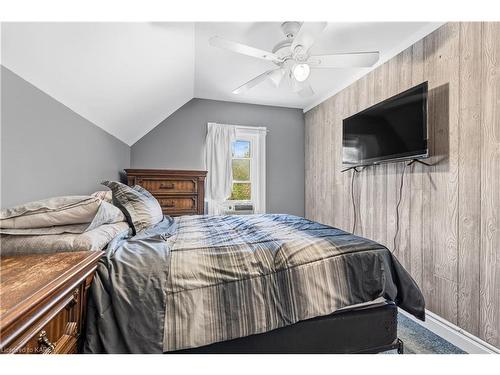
(292, 57)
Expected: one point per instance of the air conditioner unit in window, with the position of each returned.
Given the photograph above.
(239, 209)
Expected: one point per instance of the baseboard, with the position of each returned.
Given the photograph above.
(454, 334)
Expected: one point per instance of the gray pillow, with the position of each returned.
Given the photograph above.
(95, 239)
(106, 214)
(141, 209)
(105, 195)
(50, 212)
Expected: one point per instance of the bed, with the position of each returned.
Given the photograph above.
(247, 284)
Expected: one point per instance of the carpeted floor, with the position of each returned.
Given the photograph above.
(419, 340)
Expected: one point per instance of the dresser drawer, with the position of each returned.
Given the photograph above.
(158, 185)
(56, 331)
(178, 204)
(180, 192)
(43, 301)
(60, 335)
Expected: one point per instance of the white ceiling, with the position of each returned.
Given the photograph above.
(124, 77)
(127, 77)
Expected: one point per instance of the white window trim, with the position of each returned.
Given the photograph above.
(257, 138)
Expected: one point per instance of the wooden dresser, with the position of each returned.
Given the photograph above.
(179, 192)
(42, 301)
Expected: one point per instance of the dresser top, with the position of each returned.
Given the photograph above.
(25, 281)
(173, 172)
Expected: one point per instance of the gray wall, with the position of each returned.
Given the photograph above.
(178, 143)
(49, 150)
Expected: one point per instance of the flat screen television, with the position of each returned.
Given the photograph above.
(392, 130)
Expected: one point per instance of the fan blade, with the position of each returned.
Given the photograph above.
(276, 76)
(254, 82)
(306, 36)
(344, 60)
(216, 41)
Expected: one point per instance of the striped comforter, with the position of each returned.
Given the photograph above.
(215, 278)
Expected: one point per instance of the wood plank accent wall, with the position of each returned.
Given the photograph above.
(449, 227)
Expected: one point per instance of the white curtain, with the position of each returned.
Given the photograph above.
(218, 159)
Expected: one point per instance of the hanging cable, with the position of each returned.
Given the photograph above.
(353, 201)
(354, 172)
(397, 206)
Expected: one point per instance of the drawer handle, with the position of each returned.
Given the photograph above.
(43, 341)
(71, 329)
(167, 186)
(74, 299)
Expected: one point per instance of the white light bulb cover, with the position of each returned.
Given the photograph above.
(301, 72)
(276, 76)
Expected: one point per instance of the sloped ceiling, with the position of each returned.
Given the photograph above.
(124, 77)
(128, 77)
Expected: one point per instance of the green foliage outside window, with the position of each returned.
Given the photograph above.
(241, 191)
(241, 169)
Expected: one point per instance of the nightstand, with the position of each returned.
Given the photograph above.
(42, 301)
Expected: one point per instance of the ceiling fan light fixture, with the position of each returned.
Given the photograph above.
(301, 72)
(293, 58)
(276, 76)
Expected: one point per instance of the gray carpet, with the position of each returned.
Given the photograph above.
(419, 340)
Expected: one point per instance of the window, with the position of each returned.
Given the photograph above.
(241, 164)
(249, 167)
